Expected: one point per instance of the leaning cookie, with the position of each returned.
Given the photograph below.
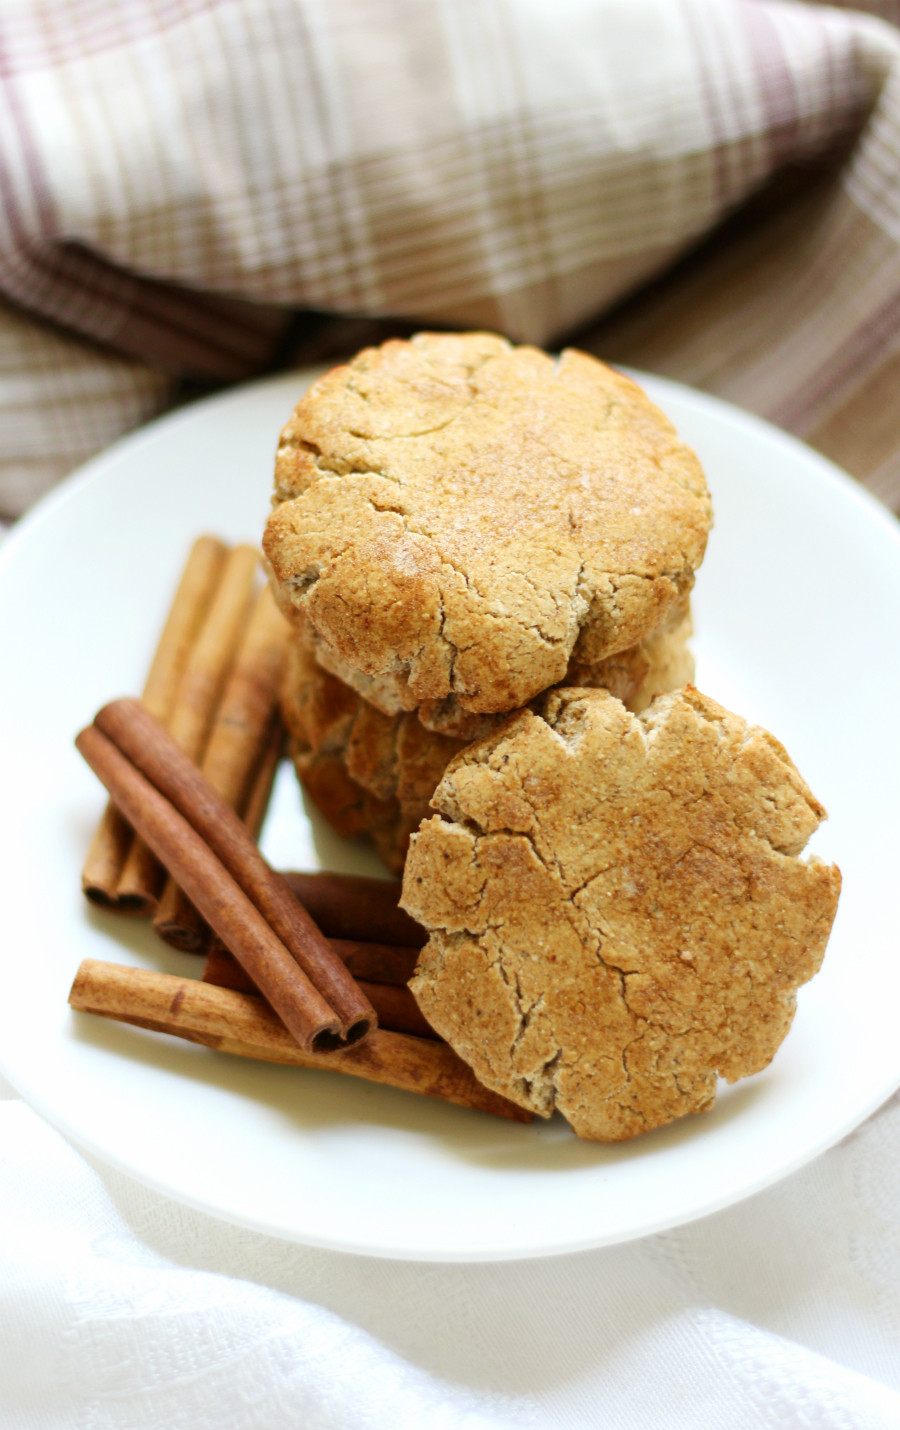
(455, 516)
(616, 908)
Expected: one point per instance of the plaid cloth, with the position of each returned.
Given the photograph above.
(180, 178)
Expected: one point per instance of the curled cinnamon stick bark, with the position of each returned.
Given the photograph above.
(114, 837)
(192, 934)
(377, 962)
(195, 700)
(240, 925)
(241, 729)
(242, 1024)
(347, 907)
(396, 1007)
(105, 861)
(260, 792)
(350, 906)
(151, 751)
(237, 875)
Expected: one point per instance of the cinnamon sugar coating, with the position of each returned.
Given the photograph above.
(616, 906)
(458, 517)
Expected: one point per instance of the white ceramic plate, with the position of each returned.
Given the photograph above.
(797, 610)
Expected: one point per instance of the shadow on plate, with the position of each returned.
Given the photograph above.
(319, 1103)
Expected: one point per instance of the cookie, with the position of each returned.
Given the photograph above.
(617, 911)
(371, 773)
(661, 661)
(455, 516)
(368, 773)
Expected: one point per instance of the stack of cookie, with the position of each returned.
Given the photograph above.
(487, 555)
(461, 525)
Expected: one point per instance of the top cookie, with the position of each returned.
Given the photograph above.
(457, 516)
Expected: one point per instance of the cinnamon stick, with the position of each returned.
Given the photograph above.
(350, 906)
(227, 908)
(113, 838)
(219, 866)
(377, 962)
(191, 933)
(241, 728)
(383, 963)
(242, 1024)
(259, 794)
(196, 697)
(395, 1005)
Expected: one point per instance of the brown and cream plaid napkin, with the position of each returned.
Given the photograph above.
(705, 188)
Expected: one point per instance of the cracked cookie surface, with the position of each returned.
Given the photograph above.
(455, 516)
(616, 906)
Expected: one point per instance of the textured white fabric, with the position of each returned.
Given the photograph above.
(119, 1308)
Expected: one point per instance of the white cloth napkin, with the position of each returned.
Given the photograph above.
(119, 1308)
